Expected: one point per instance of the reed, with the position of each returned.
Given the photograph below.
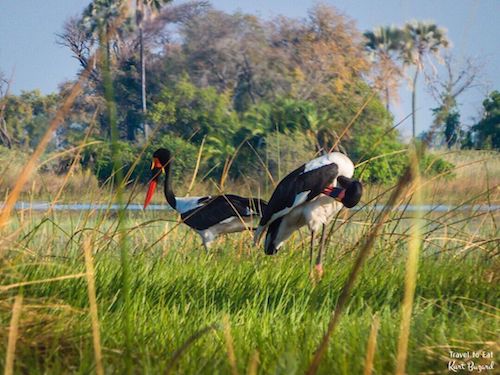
(372, 346)
(414, 244)
(253, 364)
(231, 356)
(13, 334)
(96, 333)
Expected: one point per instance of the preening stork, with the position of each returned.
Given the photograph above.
(310, 195)
(209, 216)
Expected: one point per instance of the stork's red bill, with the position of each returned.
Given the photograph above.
(155, 165)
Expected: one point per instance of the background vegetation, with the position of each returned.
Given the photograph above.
(189, 74)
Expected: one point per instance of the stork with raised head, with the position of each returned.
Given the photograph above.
(209, 216)
(310, 195)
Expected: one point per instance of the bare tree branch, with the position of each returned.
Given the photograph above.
(456, 80)
(5, 137)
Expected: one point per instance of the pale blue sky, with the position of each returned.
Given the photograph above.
(28, 48)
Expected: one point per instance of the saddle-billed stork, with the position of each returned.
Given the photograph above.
(310, 195)
(209, 216)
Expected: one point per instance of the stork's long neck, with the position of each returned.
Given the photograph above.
(169, 193)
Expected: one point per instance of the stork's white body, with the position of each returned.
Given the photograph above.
(321, 210)
(314, 212)
(231, 225)
(240, 221)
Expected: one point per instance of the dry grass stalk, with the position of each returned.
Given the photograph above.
(74, 162)
(231, 356)
(197, 166)
(96, 335)
(411, 273)
(379, 157)
(13, 333)
(372, 346)
(4, 288)
(227, 165)
(253, 365)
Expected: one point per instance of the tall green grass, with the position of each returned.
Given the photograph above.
(178, 290)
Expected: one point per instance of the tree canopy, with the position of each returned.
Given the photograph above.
(252, 91)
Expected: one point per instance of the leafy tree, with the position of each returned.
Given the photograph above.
(452, 129)
(99, 17)
(272, 92)
(5, 137)
(27, 117)
(320, 55)
(195, 114)
(229, 52)
(100, 21)
(486, 133)
(373, 136)
(127, 95)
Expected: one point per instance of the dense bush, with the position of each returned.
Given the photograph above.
(432, 165)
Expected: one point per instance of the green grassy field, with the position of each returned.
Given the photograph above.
(264, 314)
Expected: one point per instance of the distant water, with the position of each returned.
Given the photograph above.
(44, 206)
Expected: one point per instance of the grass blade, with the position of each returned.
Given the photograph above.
(178, 353)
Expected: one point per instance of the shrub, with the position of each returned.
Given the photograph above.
(432, 165)
(101, 159)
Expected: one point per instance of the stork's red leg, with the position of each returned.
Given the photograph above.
(319, 259)
(311, 250)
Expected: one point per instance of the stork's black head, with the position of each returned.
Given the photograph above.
(161, 159)
(353, 191)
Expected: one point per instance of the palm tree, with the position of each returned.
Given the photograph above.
(100, 21)
(143, 9)
(421, 40)
(384, 44)
(99, 17)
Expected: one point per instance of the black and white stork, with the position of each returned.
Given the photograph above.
(310, 195)
(209, 216)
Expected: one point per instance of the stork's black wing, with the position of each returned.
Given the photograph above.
(296, 188)
(222, 207)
